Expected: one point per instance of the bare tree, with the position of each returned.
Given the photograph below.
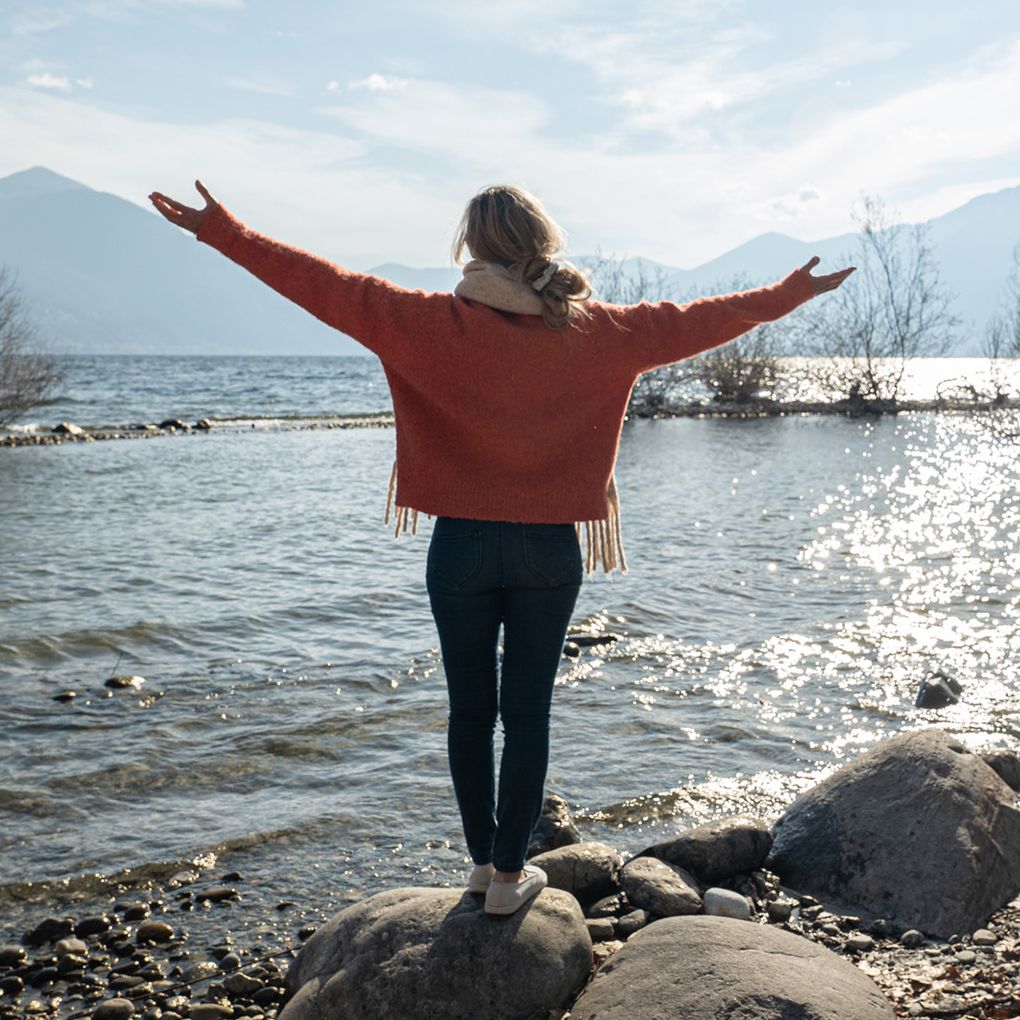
(655, 392)
(28, 377)
(895, 307)
(1002, 334)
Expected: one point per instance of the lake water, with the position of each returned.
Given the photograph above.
(791, 580)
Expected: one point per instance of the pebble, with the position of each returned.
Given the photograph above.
(65, 696)
(984, 937)
(200, 971)
(114, 1009)
(49, 930)
(154, 931)
(230, 962)
(210, 1011)
(124, 681)
(67, 946)
(244, 986)
(218, 893)
(912, 938)
(11, 956)
(571, 650)
(966, 956)
(12, 985)
(94, 925)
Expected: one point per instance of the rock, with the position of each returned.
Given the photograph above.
(780, 909)
(601, 929)
(983, 937)
(938, 690)
(555, 827)
(608, 906)
(966, 956)
(218, 893)
(230, 962)
(52, 929)
(67, 428)
(717, 850)
(705, 968)
(12, 985)
(203, 424)
(588, 871)
(434, 954)
(200, 971)
(211, 1011)
(585, 640)
(67, 947)
(242, 985)
(912, 938)
(133, 911)
(93, 925)
(631, 922)
(12, 956)
(571, 650)
(860, 943)
(918, 829)
(660, 888)
(114, 1009)
(174, 423)
(121, 682)
(726, 903)
(154, 931)
(1006, 763)
(601, 951)
(65, 696)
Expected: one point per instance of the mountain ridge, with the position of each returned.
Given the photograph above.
(94, 270)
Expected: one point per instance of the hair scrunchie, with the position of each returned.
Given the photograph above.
(545, 277)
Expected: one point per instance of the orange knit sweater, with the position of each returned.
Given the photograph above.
(498, 416)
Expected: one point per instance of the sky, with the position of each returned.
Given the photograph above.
(675, 131)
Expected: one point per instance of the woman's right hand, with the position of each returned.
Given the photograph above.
(183, 215)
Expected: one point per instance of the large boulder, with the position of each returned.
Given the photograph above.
(434, 954)
(588, 871)
(662, 889)
(717, 850)
(918, 830)
(703, 968)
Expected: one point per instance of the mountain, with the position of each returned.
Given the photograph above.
(103, 275)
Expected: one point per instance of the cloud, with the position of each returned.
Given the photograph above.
(379, 83)
(260, 86)
(45, 80)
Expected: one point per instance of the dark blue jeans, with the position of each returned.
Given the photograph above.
(481, 574)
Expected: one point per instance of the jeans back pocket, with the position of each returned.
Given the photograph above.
(552, 552)
(454, 557)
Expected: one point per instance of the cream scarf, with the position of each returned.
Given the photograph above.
(492, 284)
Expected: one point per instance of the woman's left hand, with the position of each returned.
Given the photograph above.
(829, 282)
(183, 215)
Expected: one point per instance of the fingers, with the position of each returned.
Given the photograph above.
(203, 191)
(807, 267)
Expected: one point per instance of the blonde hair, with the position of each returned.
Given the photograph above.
(507, 225)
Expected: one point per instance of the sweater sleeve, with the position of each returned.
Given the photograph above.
(378, 314)
(662, 332)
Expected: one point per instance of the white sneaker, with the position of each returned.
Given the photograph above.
(478, 880)
(507, 897)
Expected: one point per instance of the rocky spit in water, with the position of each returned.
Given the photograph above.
(703, 924)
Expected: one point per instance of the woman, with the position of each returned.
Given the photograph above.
(509, 397)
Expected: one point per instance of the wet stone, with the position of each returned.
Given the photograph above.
(154, 931)
(52, 929)
(65, 696)
(210, 1011)
(230, 962)
(217, 894)
(12, 956)
(114, 1009)
(11, 985)
(67, 946)
(134, 911)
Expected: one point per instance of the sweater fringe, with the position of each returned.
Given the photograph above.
(603, 537)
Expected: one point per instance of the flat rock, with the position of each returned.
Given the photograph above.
(588, 871)
(706, 968)
(660, 888)
(717, 850)
(919, 830)
(434, 954)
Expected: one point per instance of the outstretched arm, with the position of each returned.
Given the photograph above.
(385, 318)
(663, 332)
